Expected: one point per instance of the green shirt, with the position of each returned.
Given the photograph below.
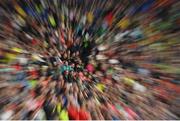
(33, 83)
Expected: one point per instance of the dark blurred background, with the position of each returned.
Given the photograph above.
(89, 59)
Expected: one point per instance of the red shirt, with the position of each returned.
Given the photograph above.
(73, 113)
(109, 18)
(17, 67)
(34, 42)
(83, 115)
(33, 73)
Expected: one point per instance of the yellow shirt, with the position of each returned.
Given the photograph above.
(124, 23)
(90, 17)
(100, 87)
(129, 81)
(19, 50)
(10, 56)
(63, 115)
(52, 21)
(20, 10)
